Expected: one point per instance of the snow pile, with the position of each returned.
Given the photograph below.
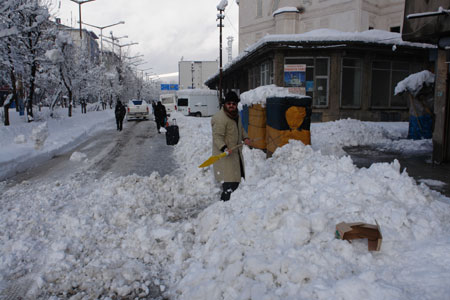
(260, 95)
(20, 139)
(39, 134)
(46, 137)
(150, 236)
(275, 238)
(415, 82)
(77, 156)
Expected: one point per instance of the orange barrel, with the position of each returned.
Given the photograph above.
(288, 118)
(257, 126)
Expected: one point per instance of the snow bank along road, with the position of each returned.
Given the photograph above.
(152, 237)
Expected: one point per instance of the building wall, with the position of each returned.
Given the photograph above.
(256, 20)
(193, 74)
(367, 106)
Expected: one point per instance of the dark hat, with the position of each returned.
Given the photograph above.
(231, 97)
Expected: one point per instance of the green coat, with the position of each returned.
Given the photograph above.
(225, 131)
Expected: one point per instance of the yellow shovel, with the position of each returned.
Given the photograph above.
(215, 158)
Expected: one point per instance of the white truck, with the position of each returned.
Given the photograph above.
(197, 102)
(169, 101)
(137, 109)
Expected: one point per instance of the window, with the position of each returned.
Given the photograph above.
(182, 102)
(351, 82)
(385, 76)
(395, 29)
(316, 79)
(266, 73)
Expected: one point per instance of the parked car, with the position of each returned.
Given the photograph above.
(137, 109)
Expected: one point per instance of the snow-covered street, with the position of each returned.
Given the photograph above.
(169, 236)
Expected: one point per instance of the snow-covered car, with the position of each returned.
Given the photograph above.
(137, 109)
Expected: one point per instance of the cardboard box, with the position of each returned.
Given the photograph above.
(359, 230)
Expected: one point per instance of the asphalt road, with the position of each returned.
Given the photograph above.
(137, 149)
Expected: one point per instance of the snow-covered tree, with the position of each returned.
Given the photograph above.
(25, 34)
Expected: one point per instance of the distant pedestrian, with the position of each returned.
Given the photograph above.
(153, 107)
(160, 116)
(83, 105)
(120, 114)
(227, 133)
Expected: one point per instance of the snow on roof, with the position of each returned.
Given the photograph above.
(260, 94)
(414, 82)
(374, 36)
(285, 9)
(197, 92)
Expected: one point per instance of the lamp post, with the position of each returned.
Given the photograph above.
(220, 17)
(79, 2)
(101, 31)
(113, 39)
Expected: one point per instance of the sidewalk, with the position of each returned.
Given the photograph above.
(418, 165)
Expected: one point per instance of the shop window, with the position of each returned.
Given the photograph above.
(266, 71)
(351, 82)
(312, 81)
(385, 76)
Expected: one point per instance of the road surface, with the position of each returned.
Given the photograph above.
(138, 149)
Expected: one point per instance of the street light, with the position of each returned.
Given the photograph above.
(113, 38)
(220, 17)
(79, 2)
(126, 45)
(101, 31)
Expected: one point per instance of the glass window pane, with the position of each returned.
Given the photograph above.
(321, 96)
(321, 67)
(351, 87)
(400, 66)
(381, 65)
(380, 88)
(351, 62)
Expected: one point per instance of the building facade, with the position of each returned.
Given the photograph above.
(258, 18)
(348, 75)
(193, 74)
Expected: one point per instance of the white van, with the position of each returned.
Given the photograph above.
(169, 101)
(197, 102)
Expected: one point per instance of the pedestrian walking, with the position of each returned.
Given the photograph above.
(160, 116)
(83, 105)
(227, 133)
(120, 114)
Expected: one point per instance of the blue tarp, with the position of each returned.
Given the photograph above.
(244, 117)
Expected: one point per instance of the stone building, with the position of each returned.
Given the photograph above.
(258, 18)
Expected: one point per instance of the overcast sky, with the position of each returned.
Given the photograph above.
(165, 30)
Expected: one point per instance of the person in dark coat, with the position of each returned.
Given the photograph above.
(120, 114)
(227, 133)
(160, 115)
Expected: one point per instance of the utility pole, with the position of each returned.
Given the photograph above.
(220, 17)
(192, 75)
(79, 2)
